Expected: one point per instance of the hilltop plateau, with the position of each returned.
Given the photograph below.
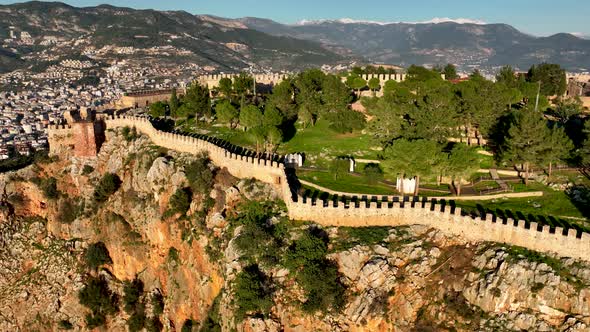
(142, 236)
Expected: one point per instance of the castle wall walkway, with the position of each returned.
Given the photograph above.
(389, 212)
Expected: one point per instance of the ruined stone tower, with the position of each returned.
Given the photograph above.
(83, 134)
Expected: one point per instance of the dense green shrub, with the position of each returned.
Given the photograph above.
(107, 186)
(318, 276)
(212, 322)
(173, 255)
(252, 292)
(187, 326)
(321, 282)
(180, 201)
(18, 161)
(96, 255)
(157, 304)
(130, 134)
(49, 188)
(346, 121)
(373, 173)
(154, 324)
(95, 320)
(65, 325)
(97, 297)
(136, 321)
(132, 291)
(259, 239)
(68, 211)
(87, 169)
(307, 249)
(199, 175)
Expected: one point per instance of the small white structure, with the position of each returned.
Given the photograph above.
(406, 186)
(294, 160)
(352, 165)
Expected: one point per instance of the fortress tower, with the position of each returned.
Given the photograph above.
(82, 134)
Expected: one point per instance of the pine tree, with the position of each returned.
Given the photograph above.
(462, 162)
(374, 85)
(558, 147)
(526, 140)
(417, 158)
(227, 113)
(450, 72)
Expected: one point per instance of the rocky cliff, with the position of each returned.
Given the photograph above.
(223, 257)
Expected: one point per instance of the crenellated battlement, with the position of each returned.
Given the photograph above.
(212, 81)
(244, 164)
(372, 210)
(55, 128)
(355, 212)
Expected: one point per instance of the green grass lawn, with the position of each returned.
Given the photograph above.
(319, 142)
(487, 162)
(552, 204)
(345, 183)
(486, 185)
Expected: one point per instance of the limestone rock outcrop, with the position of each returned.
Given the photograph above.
(414, 278)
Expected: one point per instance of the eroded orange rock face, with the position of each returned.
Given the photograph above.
(398, 285)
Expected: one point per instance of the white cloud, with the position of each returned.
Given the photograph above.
(435, 20)
(580, 35)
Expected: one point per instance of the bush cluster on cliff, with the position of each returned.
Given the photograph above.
(107, 186)
(260, 240)
(253, 292)
(49, 188)
(97, 297)
(199, 175)
(134, 305)
(97, 255)
(263, 241)
(317, 275)
(180, 201)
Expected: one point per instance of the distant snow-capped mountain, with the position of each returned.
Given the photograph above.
(466, 42)
(435, 20)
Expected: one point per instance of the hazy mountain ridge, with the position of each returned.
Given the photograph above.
(463, 43)
(208, 40)
(233, 44)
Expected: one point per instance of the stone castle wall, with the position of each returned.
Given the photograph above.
(568, 243)
(238, 165)
(212, 81)
(142, 99)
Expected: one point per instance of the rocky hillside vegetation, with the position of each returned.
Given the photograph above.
(143, 238)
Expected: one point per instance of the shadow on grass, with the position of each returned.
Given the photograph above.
(289, 131)
(580, 198)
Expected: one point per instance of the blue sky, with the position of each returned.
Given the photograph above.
(538, 17)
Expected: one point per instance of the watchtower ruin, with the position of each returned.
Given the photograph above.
(82, 134)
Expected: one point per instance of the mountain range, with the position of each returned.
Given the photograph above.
(464, 43)
(202, 41)
(234, 44)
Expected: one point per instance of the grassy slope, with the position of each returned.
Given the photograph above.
(552, 203)
(345, 183)
(320, 141)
